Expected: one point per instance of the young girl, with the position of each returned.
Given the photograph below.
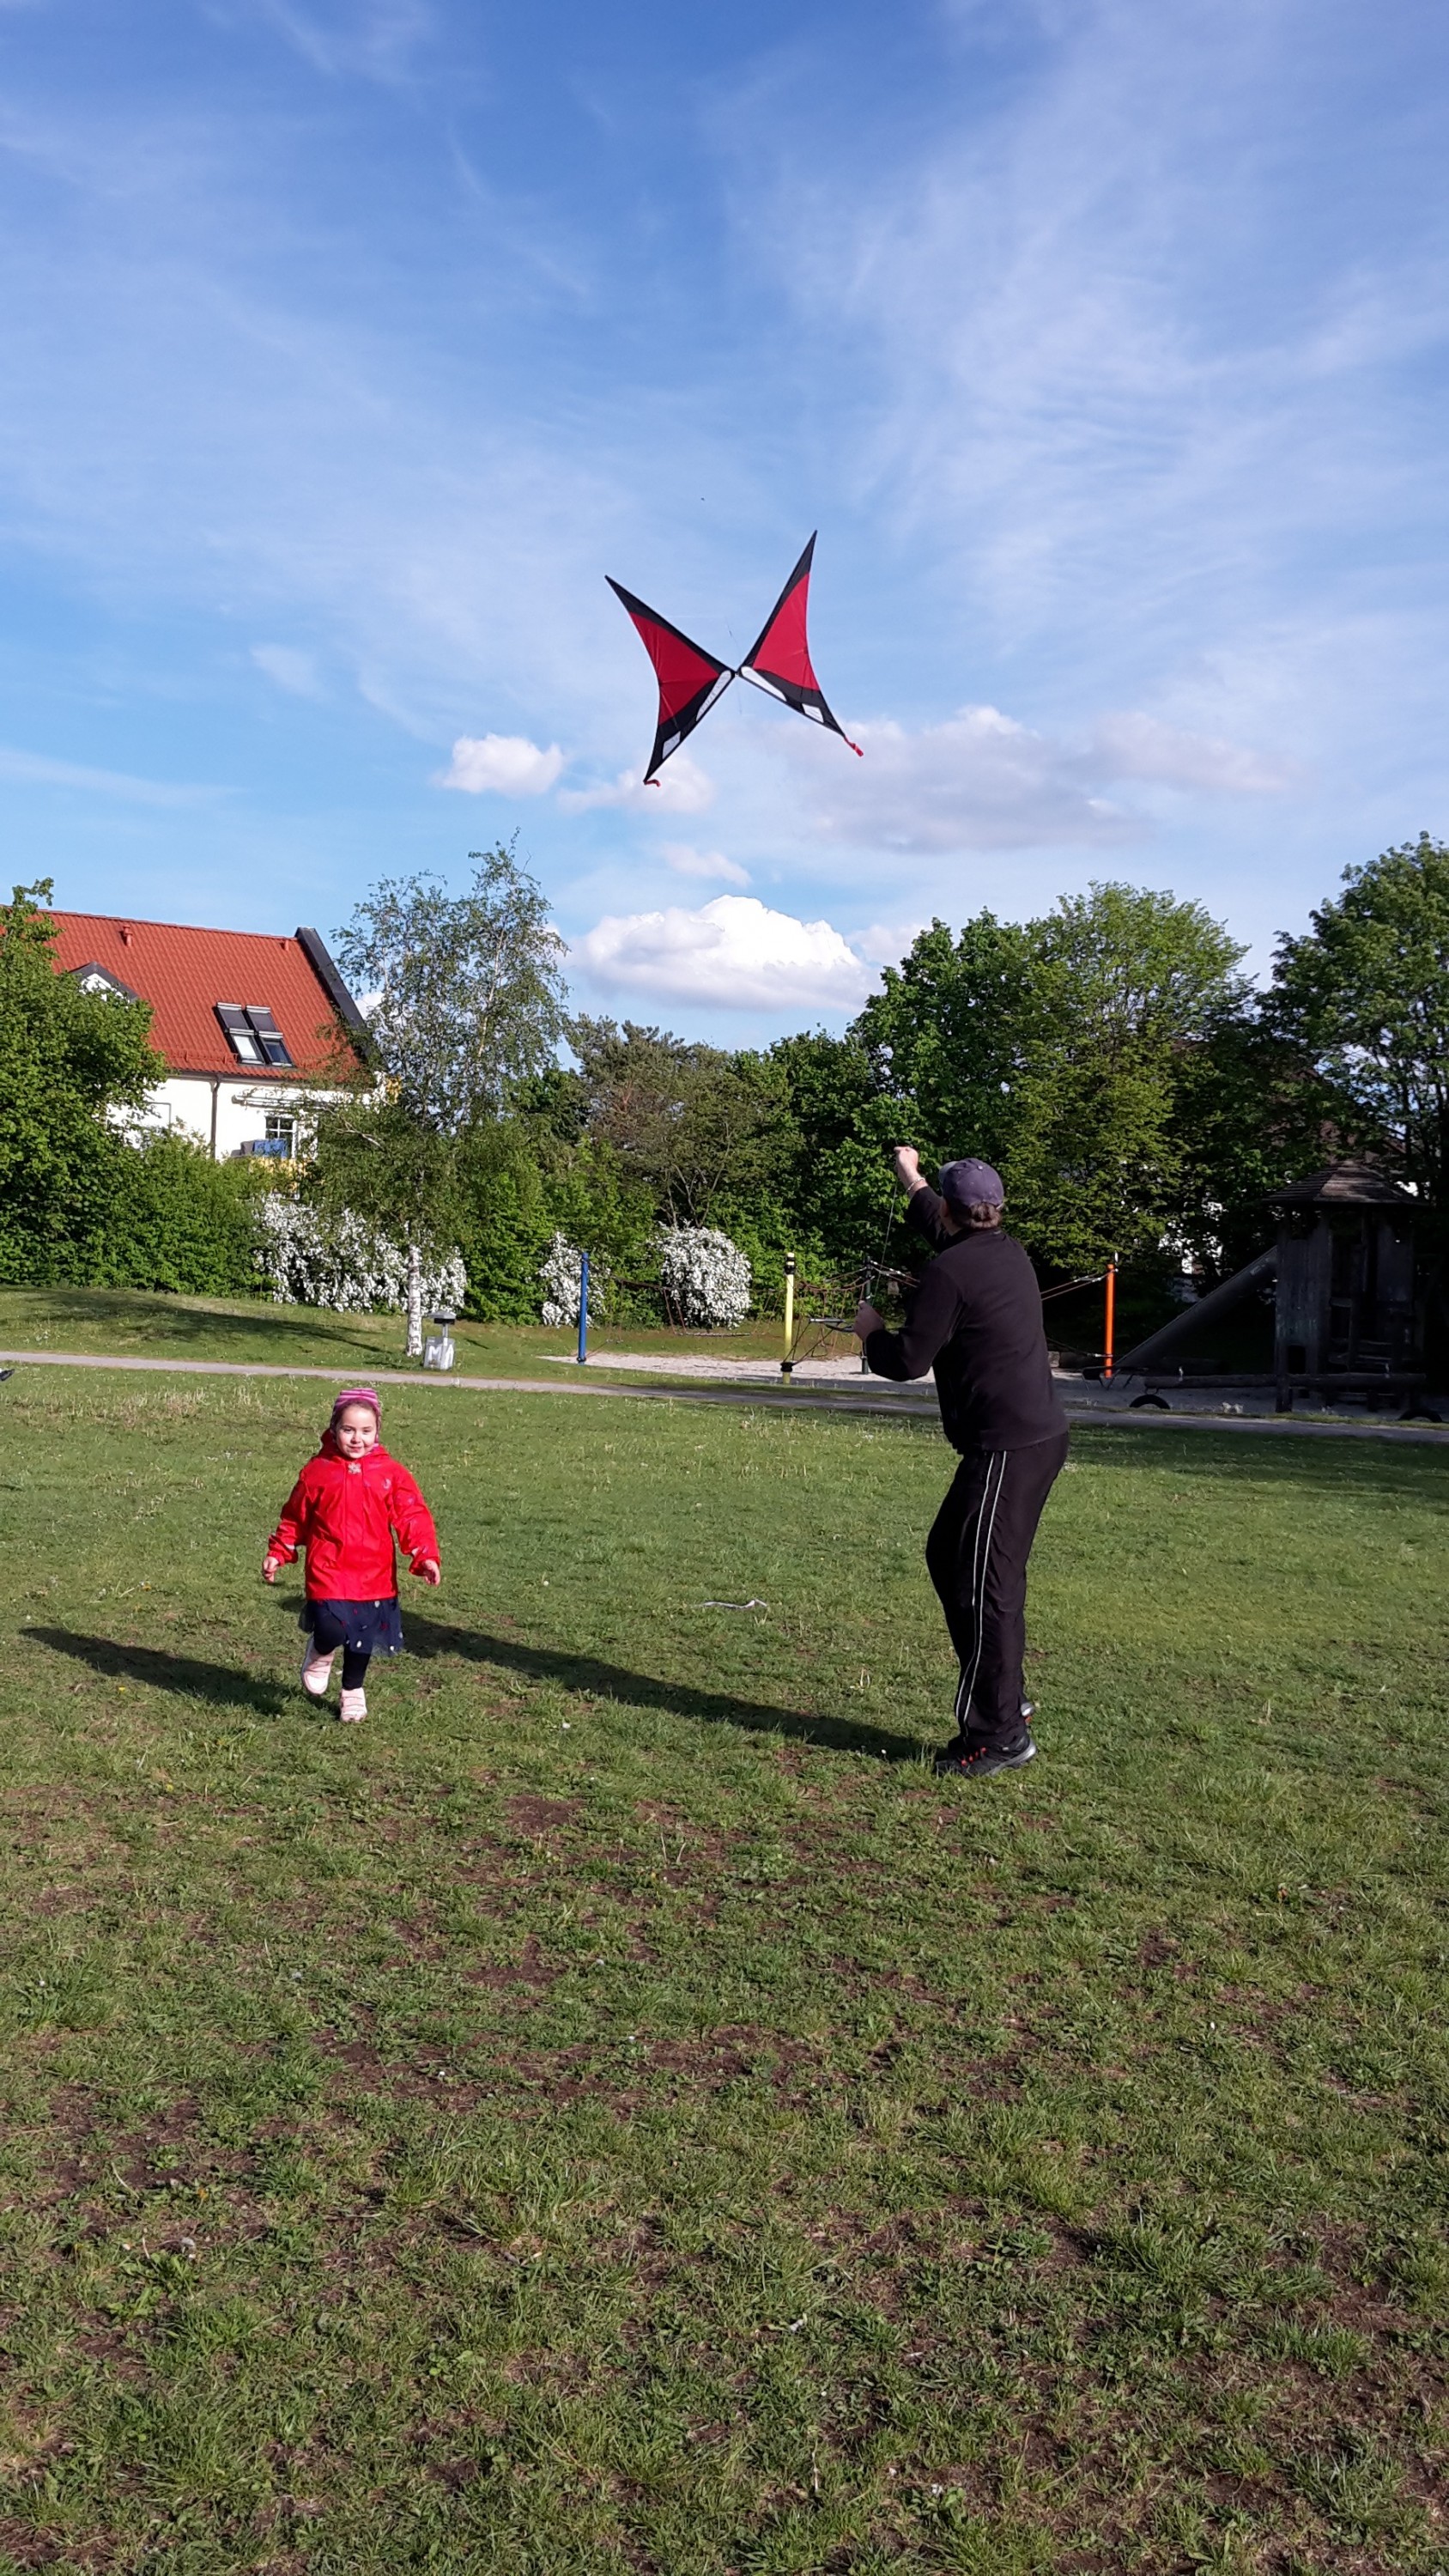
(344, 1509)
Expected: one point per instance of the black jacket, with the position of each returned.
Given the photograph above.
(976, 1319)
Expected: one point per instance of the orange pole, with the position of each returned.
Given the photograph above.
(1111, 1332)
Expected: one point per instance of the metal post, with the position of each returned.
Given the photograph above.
(1110, 1335)
(583, 1308)
(787, 1364)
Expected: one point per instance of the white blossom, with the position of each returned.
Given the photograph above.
(310, 1260)
(705, 1277)
(560, 1274)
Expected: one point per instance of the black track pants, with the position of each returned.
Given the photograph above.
(976, 1557)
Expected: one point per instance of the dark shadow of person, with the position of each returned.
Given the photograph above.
(222, 1684)
(430, 1638)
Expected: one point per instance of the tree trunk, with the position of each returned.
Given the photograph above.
(415, 1303)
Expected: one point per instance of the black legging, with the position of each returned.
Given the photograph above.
(327, 1636)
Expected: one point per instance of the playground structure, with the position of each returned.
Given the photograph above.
(1347, 1318)
(1347, 1323)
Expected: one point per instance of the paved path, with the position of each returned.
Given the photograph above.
(914, 1408)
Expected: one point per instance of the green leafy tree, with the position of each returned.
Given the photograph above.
(697, 1125)
(1251, 1111)
(71, 1065)
(1365, 993)
(468, 1004)
(1123, 987)
(1057, 1049)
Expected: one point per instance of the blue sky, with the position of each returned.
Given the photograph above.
(349, 343)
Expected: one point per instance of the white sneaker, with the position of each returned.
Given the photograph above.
(316, 1672)
(354, 1706)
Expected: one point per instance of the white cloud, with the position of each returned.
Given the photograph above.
(293, 671)
(681, 787)
(734, 954)
(885, 943)
(981, 781)
(501, 764)
(1138, 746)
(686, 861)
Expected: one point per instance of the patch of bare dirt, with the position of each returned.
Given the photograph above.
(537, 1816)
(530, 1970)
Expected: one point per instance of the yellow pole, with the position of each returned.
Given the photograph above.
(787, 1364)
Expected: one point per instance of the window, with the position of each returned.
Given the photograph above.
(254, 1034)
(280, 1133)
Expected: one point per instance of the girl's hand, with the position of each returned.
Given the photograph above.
(430, 1570)
(269, 1568)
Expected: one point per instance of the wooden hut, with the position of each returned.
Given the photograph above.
(1347, 1321)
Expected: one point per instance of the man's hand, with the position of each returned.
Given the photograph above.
(430, 1570)
(907, 1165)
(269, 1568)
(867, 1321)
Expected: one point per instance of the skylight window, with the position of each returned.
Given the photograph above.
(253, 1033)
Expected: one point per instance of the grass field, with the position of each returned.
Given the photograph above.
(134, 1321)
(617, 2111)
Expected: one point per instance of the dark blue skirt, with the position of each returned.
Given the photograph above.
(367, 1627)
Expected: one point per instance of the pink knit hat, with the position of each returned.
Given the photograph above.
(367, 1395)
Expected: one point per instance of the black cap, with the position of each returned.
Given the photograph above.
(971, 1184)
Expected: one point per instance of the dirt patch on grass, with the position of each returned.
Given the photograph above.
(539, 1816)
(27, 2546)
(530, 1970)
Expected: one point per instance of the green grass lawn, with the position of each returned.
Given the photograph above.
(617, 2111)
(134, 1321)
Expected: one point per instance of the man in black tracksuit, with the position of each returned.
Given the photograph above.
(976, 1319)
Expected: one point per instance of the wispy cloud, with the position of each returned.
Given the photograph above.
(681, 787)
(686, 861)
(981, 781)
(294, 671)
(34, 769)
(373, 38)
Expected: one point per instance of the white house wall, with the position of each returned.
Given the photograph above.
(239, 1108)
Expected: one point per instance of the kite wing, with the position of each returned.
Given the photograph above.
(690, 680)
(780, 658)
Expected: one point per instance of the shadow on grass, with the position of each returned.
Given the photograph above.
(1389, 1468)
(167, 1323)
(429, 1638)
(222, 1684)
(225, 1687)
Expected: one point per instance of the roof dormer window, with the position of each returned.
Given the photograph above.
(98, 979)
(253, 1034)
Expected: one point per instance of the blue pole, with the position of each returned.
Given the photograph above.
(583, 1308)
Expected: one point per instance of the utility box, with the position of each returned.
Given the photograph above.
(1347, 1320)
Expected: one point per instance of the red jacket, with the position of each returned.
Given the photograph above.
(344, 1511)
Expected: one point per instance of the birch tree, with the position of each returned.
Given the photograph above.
(464, 998)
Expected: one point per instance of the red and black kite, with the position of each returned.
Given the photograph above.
(691, 681)
(779, 659)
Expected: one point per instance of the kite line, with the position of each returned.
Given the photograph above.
(691, 680)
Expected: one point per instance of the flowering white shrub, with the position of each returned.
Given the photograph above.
(310, 1260)
(561, 1272)
(704, 1275)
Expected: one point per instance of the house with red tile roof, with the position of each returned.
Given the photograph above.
(249, 1025)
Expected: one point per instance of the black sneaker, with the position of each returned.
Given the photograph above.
(982, 1761)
